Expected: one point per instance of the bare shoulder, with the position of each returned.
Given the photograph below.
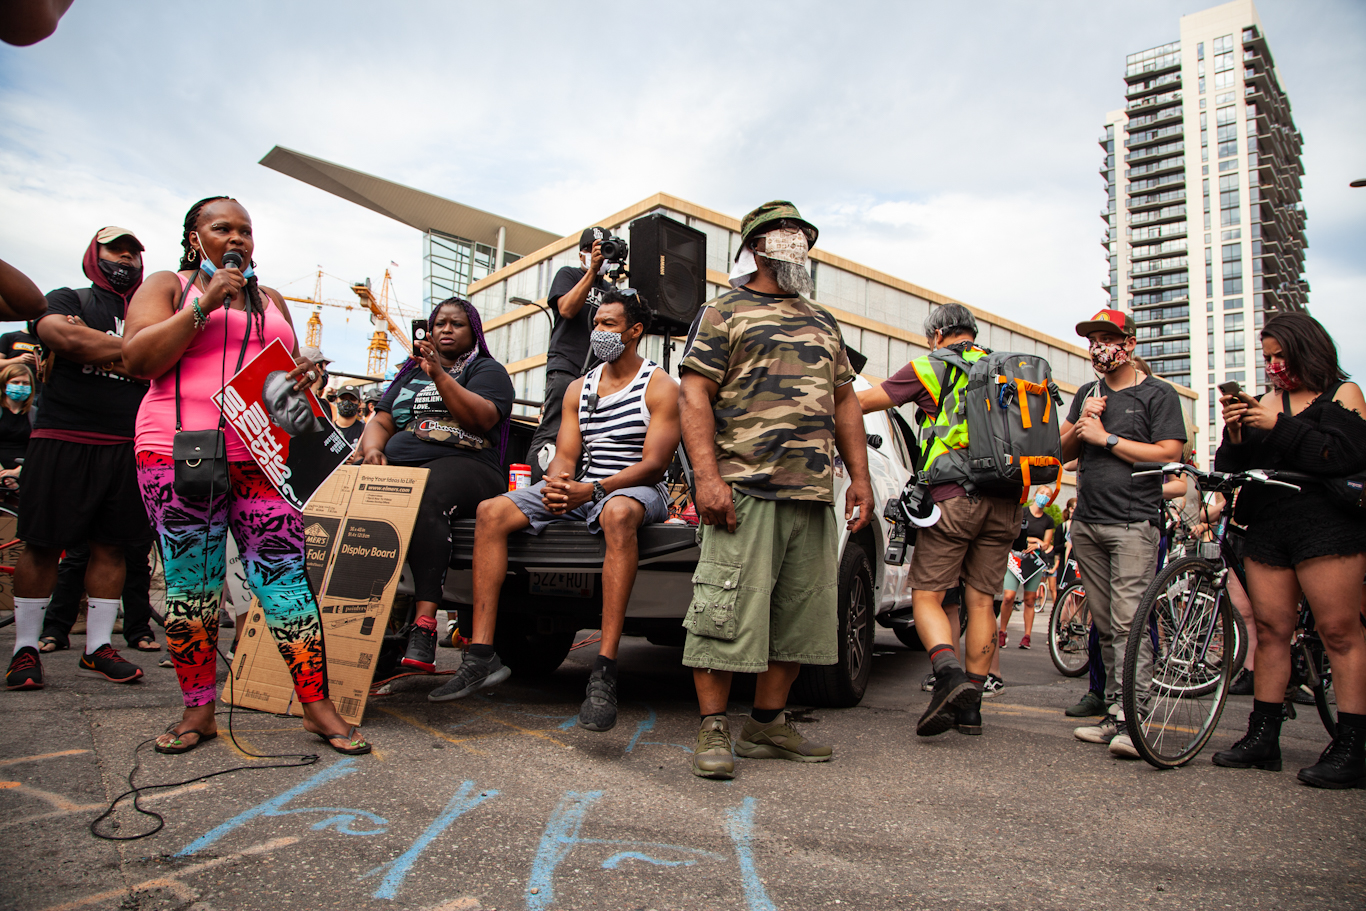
(1349, 396)
(660, 380)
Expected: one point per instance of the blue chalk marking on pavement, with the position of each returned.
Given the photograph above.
(740, 826)
(641, 727)
(464, 800)
(342, 821)
(560, 836)
(273, 807)
(615, 860)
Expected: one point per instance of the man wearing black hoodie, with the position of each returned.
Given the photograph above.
(79, 485)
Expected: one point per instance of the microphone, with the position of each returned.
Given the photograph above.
(234, 259)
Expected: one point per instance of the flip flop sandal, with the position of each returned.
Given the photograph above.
(147, 643)
(48, 644)
(175, 747)
(356, 748)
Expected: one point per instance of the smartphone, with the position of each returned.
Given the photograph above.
(1231, 388)
(419, 331)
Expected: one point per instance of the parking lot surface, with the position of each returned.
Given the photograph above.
(501, 802)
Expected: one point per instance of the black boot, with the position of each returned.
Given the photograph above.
(970, 717)
(1260, 747)
(1343, 764)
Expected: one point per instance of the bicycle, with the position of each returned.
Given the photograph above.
(1069, 627)
(1187, 641)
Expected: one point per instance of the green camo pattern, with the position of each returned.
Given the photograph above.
(777, 361)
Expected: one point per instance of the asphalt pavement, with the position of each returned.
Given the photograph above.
(501, 802)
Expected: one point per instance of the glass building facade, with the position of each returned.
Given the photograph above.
(451, 264)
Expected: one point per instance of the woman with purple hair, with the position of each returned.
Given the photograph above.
(446, 411)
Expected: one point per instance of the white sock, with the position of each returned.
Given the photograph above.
(99, 622)
(28, 621)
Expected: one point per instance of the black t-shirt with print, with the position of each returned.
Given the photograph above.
(1107, 491)
(414, 398)
(13, 344)
(569, 339)
(86, 397)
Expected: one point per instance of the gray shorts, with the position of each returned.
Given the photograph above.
(528, 500)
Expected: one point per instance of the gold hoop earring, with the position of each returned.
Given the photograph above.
(192, 255)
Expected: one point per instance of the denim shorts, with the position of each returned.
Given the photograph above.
(528, 500)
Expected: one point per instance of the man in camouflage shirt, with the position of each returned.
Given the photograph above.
(767, 399)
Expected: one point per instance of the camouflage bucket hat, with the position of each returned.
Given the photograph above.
(768, 215)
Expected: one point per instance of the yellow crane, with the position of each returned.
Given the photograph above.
(382, 310)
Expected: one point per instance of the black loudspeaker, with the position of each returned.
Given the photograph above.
(669, 268)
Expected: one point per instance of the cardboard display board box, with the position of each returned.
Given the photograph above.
(357, 528)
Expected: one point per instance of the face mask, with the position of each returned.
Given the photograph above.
(121, 275)
(608, 345)
(18, 392)
(209, 268)
(1041, 500)
(1108, 358)
(347, 409)
(788, 245)
(1282, 378)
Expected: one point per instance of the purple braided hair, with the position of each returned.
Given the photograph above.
(476, 327)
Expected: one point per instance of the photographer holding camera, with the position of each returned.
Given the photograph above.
(574, 295)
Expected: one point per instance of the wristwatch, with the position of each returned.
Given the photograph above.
(599, 492)
(1111, 442)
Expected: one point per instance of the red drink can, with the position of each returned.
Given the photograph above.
(519, 476)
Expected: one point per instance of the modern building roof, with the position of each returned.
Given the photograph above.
(423, 211)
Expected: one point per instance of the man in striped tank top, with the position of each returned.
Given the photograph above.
(624, 417)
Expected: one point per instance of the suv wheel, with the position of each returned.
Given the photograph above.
(843, 684)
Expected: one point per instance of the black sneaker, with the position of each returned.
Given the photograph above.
(599, 709)
(421, 654)
(25, 670)
(952, 690)
(1242, 684)
(107, 663)
(474, 674)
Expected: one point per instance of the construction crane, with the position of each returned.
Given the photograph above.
(382, 312)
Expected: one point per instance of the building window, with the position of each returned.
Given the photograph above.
(1233, 321)
(1235, 358)
(1228, 200)
(1234, 303)
(1233, 269)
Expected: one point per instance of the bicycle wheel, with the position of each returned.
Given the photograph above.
(1323, 690)
(1176, 676)
(1068, 627)
(156, 591)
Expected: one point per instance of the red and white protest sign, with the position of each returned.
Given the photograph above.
(286, 430)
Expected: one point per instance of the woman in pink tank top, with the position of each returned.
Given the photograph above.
(192, 323)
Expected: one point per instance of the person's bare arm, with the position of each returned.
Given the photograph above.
(874, 399)
(1174, 488)
(714, 501)
(571, 302)
(155, 335)
(1071, 443)
(19, 296)
(75, 341)
(661, 439)
(470, 409)
(375, 437)
(25, 22)
(852, 442)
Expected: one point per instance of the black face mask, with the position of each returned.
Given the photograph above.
(120, 275)
(347, 409)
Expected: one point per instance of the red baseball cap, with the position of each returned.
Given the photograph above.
(1109, 321)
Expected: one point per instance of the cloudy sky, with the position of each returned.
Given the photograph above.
(953, 145)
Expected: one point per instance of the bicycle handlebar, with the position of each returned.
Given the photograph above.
(1223, 481)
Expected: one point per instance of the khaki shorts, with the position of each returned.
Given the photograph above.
(971, 541)
(768, 591)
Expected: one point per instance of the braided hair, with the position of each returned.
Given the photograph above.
(190, 261)
(477, 328)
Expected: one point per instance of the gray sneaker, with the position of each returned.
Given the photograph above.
(778, 740)
(599, 710)
(927, 685)
(1103, 732)
(1091, 704)
(473, 674)
(421, 653)
(712, 757)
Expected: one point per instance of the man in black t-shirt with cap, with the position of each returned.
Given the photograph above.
(574, 296)
(80, 480)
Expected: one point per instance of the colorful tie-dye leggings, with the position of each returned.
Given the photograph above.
(270, 535)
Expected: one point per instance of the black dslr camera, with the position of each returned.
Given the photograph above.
(614, 250)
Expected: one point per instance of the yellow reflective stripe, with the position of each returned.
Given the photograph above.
(924, 371)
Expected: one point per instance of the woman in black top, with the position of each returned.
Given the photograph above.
(1302, 542)
(447, 411)
(16, 398)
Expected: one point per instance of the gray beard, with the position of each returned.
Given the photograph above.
(792, 278)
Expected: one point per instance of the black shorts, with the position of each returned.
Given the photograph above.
(1303, 527)
(72, 493)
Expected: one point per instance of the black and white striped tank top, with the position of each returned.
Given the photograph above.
(613, 427)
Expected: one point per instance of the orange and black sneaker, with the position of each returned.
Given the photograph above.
(107, 663)
(25, 670)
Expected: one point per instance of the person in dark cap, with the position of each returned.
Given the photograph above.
(80, 482)
(574, 297)
(348, 420)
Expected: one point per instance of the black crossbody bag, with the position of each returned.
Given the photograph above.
(201, 456)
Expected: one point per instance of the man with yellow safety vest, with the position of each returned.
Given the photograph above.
(971, 540)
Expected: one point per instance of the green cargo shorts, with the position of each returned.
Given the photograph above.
(768, 591)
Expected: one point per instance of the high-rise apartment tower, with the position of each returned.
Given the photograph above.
(1202, 167)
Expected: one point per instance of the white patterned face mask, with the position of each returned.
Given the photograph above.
(607, 345)
(787, 245)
